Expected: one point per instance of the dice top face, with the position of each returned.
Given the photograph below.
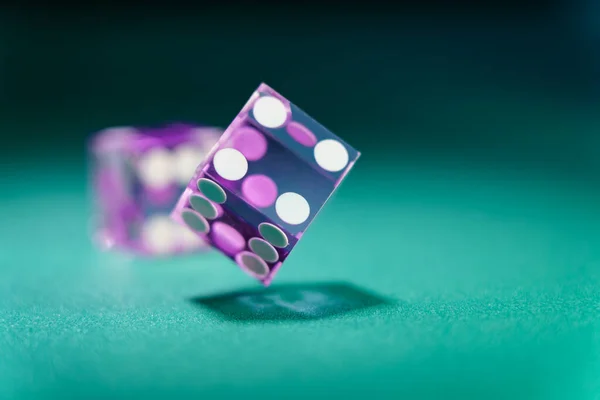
(267, 178)
(138, 175)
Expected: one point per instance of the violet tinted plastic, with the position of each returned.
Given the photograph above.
(276, 167)
(137, 176)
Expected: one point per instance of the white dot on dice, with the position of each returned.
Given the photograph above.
(158, 234)
(270, 112)
(331, 155)
(156, 168)
(292, 208)
(230, 164)
(186, 159)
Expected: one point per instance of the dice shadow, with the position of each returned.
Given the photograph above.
(292, 302)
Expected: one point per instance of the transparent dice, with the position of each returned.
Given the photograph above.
(261, 186)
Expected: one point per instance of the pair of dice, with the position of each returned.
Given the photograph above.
(254, 189)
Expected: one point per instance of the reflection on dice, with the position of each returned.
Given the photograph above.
(137, 176)
(264, 182)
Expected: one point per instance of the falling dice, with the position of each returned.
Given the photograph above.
(137, 176)
(261, 186)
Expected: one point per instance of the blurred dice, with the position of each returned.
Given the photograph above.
(137, 175)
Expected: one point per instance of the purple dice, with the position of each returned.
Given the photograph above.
(261, 186)
(137, 176)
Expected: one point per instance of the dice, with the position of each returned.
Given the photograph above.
(137, 176)
(261, 186)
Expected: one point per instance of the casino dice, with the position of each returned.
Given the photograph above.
(137, 176)
(265, 181)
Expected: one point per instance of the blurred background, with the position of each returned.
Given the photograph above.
(502, 82)
(480, 133)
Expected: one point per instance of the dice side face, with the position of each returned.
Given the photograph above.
(114, 207)
(273, 169)
(270, 177)
(153, 167)
(230, 224)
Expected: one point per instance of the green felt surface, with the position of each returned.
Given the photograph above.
(420, 283)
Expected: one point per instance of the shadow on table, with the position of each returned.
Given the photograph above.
(292, 302)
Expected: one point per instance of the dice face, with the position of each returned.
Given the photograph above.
(265, 181)
(137, 177)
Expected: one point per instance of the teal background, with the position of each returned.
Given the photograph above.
(459, 260)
